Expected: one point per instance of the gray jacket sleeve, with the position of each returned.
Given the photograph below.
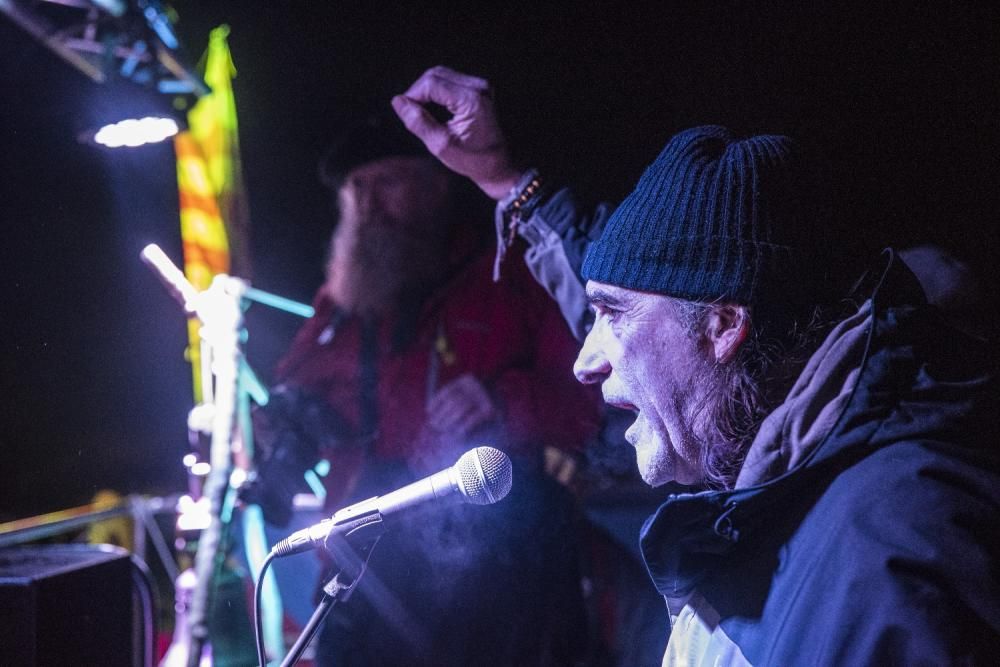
(558, 232)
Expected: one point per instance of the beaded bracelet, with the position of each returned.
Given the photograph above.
(517, 209)
(514, 209)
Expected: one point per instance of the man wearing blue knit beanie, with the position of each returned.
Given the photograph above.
(840, 444)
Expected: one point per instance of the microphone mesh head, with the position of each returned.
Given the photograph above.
(484, 475)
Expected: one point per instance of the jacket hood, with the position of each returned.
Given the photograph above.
(888, 372)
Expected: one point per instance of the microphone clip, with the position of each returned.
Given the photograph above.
(358, 524)
(359, 531)
(351, 552)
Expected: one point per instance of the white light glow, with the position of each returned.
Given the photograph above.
(237, 478)
(201, 469)
(136, 132)
(193, 515)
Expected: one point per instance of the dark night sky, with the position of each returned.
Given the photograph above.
(94, 388)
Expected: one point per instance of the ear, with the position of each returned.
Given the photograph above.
(726, 328)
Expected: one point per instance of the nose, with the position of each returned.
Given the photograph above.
(592, 365)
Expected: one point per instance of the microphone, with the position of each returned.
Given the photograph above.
(481, 476)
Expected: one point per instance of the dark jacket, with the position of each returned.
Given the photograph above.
(877, 541)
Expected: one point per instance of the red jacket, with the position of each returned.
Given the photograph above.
(509, 335)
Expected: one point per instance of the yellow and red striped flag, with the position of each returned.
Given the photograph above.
(213, 204)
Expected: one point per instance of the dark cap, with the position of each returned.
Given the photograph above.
(377, 136)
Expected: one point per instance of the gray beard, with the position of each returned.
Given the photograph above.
(379, 272)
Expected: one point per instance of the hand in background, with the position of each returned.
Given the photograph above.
(458, 412)
(460, 408)
(471, 142)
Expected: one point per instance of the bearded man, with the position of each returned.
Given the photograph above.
(420, 358)
(841, 445)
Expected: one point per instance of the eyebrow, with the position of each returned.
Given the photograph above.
(598, 296)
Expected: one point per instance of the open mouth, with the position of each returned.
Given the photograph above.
(622, 405)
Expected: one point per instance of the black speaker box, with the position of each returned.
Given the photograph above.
(65, 605)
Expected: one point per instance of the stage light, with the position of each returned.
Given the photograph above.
(130, 47)
(134, 132)
(121, 114)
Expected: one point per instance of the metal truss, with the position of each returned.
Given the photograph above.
(133, 38)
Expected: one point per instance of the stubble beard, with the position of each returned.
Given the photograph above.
(682, 456)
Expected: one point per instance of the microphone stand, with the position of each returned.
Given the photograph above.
(353, 561)
(219, 309)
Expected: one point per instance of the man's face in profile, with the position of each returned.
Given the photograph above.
(648, 361)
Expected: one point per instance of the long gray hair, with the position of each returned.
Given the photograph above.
(742, 391)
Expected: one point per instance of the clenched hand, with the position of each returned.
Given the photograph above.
(471, 142)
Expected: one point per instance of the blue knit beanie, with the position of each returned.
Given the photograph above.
(719, 217)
